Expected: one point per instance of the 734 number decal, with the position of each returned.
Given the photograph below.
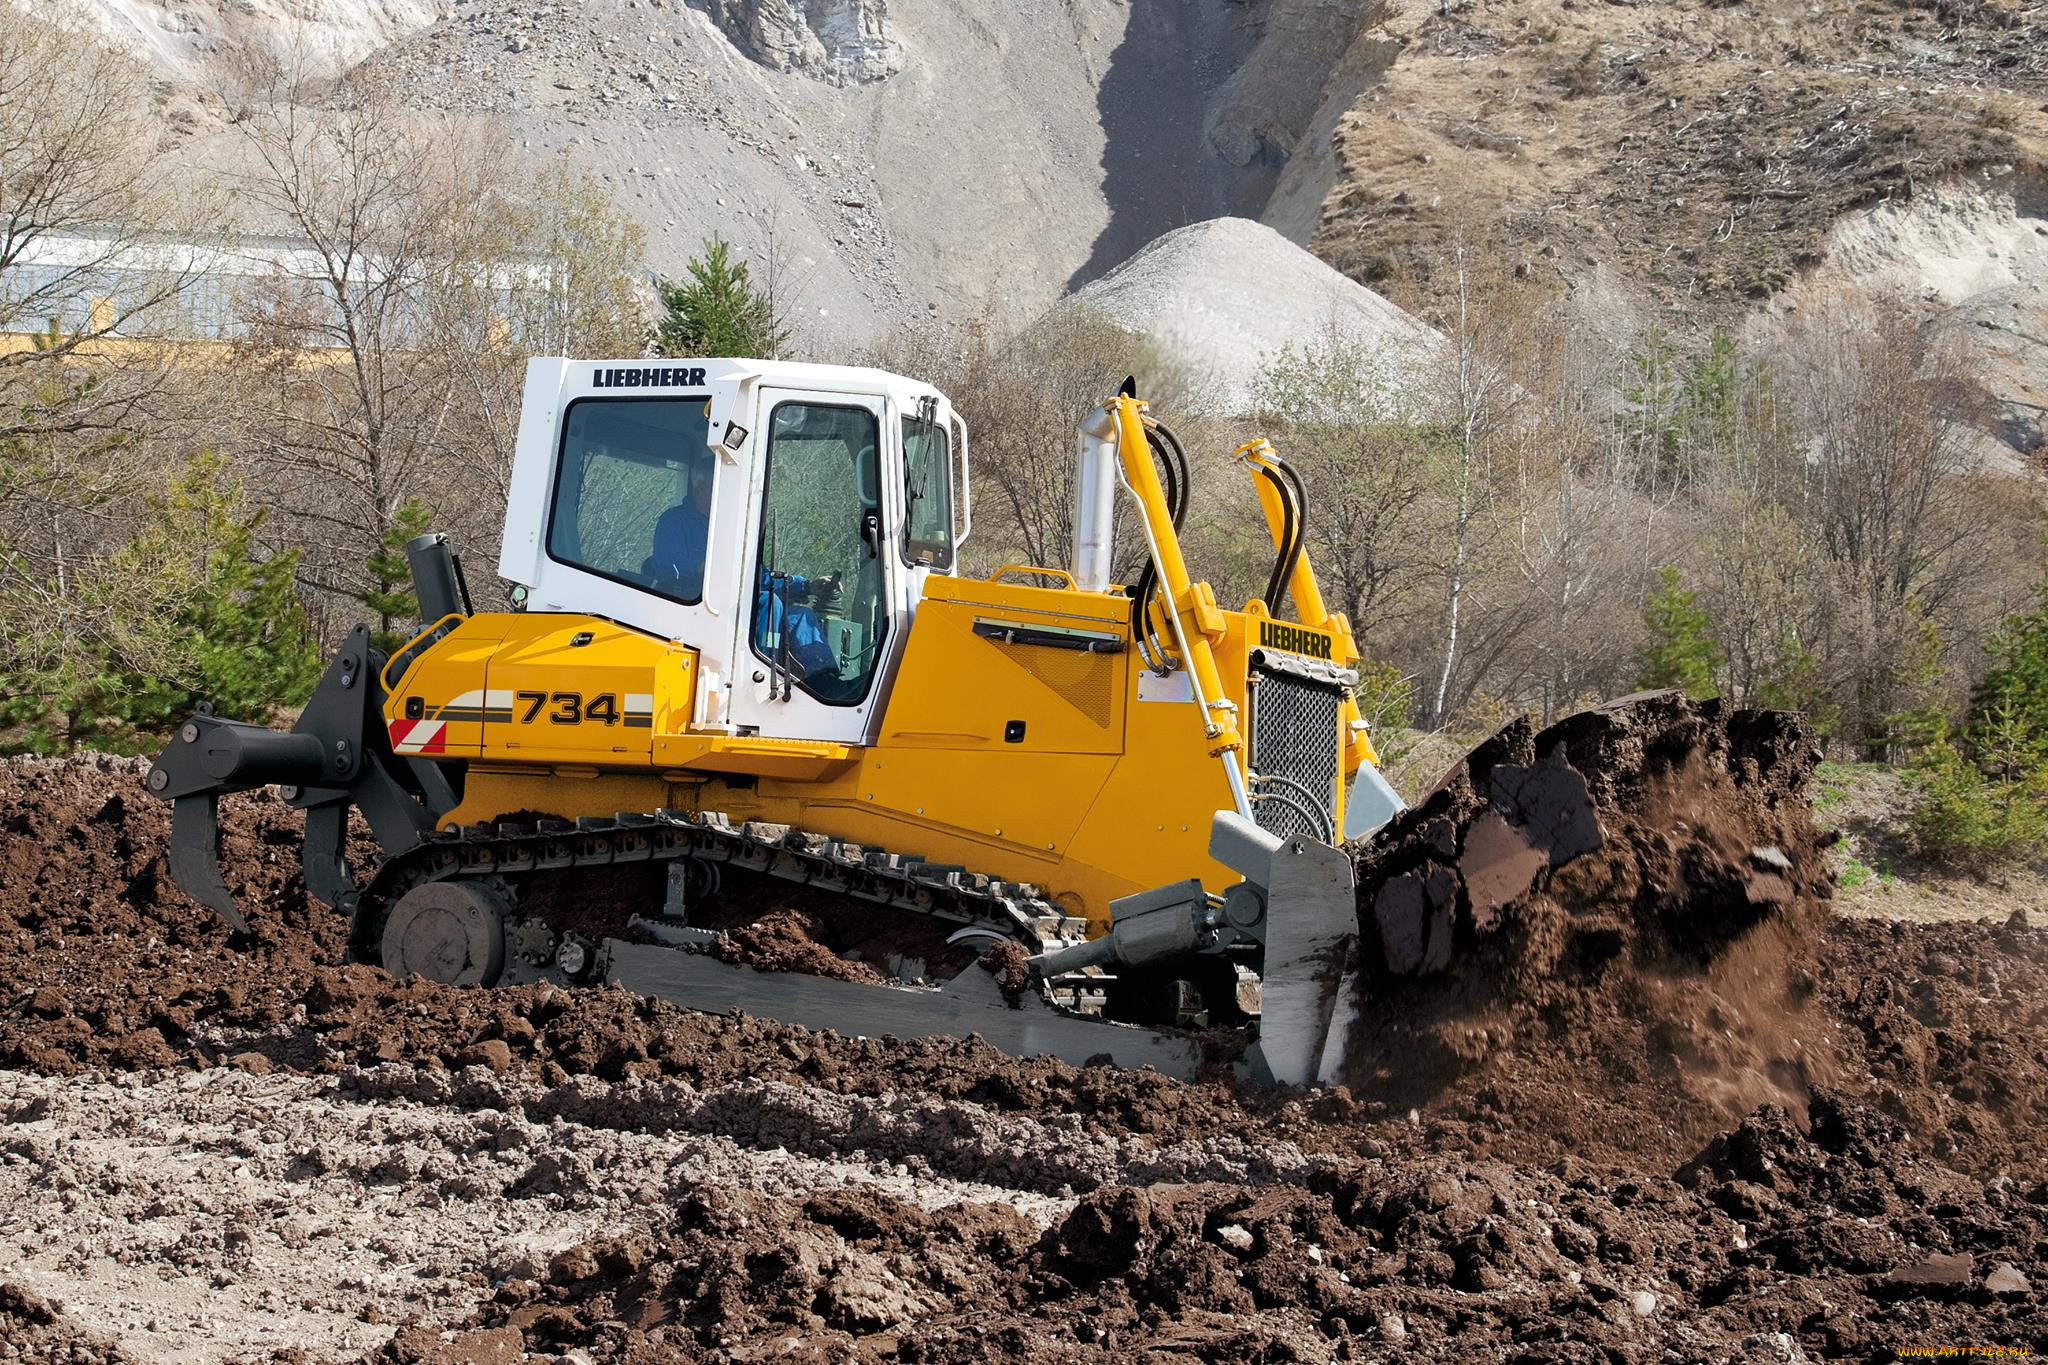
(571, 708)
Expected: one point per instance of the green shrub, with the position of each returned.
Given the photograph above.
(1983, 796)
(1681, 652)
(1963, 816)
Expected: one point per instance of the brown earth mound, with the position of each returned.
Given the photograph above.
(1617, 903)
(33, 1330)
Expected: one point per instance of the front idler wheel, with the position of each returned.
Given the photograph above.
(447, 931)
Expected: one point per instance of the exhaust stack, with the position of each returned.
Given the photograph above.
(436, 578)
(1095, 501)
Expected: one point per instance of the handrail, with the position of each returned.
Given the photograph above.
(997, 576)
(965, 502)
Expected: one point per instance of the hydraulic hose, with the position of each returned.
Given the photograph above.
(1287, 486)
(1276, 582)
(1293, 557)
(1173, 463)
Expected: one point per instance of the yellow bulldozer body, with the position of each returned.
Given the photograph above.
(740, 638)
(1022, 736)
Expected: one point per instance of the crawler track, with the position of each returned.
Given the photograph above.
(980, 910)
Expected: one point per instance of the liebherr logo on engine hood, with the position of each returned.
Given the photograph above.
(1295, 639)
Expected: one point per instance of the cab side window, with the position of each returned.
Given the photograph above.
(632, 492)
(927, 495)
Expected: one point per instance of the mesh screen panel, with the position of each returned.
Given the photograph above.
(1294, 735)
(1085, 681)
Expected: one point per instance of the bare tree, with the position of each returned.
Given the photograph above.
(553, 271)
(1883, 401)
(358, 397)
(1343, 419)
(1473, 402)
(90, 250)
(1023, 400)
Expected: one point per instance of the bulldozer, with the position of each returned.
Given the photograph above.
(739, 653)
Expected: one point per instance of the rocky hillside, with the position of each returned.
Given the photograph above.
(203, 40)
(898, 158)
(1679, 163)
(1688, 163)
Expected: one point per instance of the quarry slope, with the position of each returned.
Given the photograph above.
(885, 161)
(1689, 165)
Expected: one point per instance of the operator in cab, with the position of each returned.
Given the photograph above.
(676, 560)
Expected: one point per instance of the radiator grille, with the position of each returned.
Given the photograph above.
(1294, 736)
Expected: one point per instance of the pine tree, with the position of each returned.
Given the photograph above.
(718, 311)
(1983, 794)
(250, 648)
(1681, 651)
(2017, 684)
(186, 611)
(390, 594)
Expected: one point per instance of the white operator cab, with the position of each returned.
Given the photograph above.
(778, 518)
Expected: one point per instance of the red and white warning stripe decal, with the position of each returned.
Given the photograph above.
(419, 736)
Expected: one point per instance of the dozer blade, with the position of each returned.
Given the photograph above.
(1308, 995)
(1307, 991)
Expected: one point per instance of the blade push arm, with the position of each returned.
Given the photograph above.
(1276, 490)
(1189, 607)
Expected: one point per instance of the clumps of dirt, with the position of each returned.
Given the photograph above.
(1850, 1237)
(1619, 901)
(32, 1330)
(1519, 1204)
(1772, 1242)
(359, 1017)
(113, 963)
(109, 966)
(1947, 1022)
(789, 940)
(1011, 968)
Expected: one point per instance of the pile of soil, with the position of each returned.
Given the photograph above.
(1643, 1156)
(32, 1330)
(1618, 910)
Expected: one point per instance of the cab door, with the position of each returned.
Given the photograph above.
(818, 589)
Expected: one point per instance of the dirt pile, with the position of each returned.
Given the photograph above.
(32, 1330)
(115, 962)
(1947, 1023)
(1220, 299)
(1570, 1184)
(1613, 900)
